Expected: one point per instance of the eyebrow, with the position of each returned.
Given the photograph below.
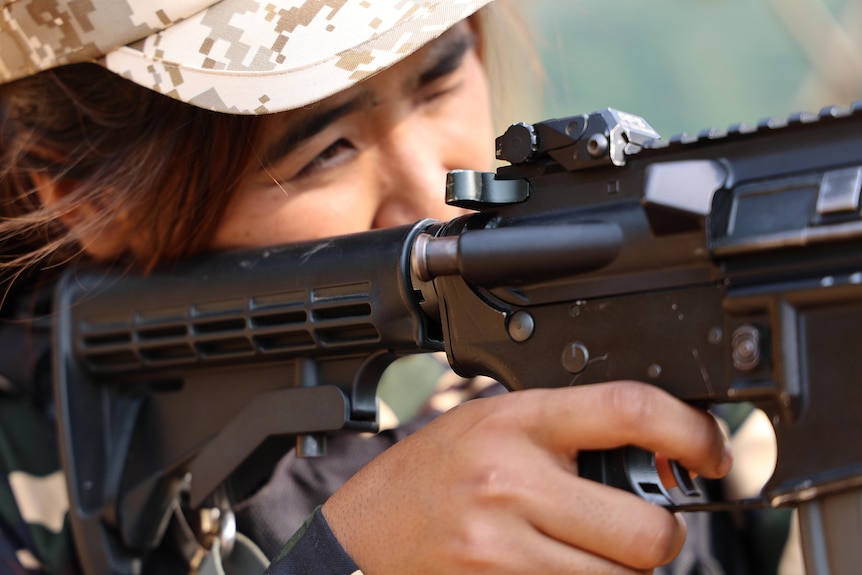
(446, 54)
(310, 125)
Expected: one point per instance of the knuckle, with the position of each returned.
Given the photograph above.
(487, 410)
(497, 487)
(475, 549)
(656, 542)
(631, 404)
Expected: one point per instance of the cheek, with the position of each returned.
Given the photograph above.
(262, 217)
(475, 120)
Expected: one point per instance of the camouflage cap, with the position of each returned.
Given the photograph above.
(234, 56)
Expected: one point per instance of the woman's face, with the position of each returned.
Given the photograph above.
(371, 157)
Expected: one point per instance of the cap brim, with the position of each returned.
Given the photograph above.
(257, 58)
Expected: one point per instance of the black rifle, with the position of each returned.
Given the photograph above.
(723, 267)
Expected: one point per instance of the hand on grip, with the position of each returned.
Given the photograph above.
(493, 486)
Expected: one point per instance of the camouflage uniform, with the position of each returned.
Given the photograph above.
(34, 534)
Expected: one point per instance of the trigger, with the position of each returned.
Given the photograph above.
(672, 474)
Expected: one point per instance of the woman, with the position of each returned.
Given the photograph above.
(288, 121)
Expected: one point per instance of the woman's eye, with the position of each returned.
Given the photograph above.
(446, 80)
(340, 151)
(445, 75)
(443, 90)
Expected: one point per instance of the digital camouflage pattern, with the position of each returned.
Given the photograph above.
(233, 56)
(34, 526)
(34, 534)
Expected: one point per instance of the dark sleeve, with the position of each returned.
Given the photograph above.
(9, 563)
(313, 550)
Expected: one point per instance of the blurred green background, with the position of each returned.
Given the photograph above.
(686, 65)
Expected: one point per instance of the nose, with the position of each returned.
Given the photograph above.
(413, 162)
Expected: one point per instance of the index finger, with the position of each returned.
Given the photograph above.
(611, 415)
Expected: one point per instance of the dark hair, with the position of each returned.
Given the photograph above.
(119, 154)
